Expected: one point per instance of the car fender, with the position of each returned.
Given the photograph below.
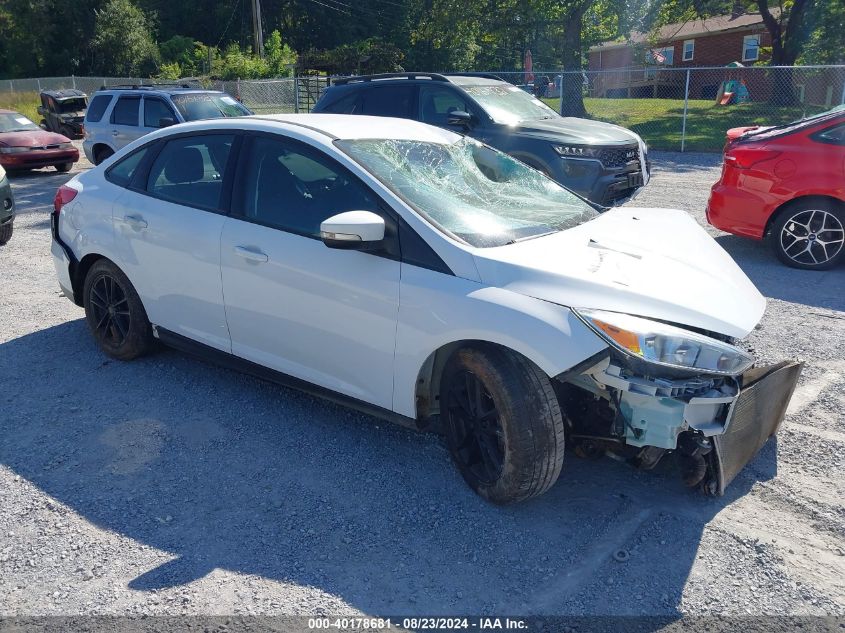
(437, 309)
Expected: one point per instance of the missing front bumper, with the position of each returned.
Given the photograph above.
(755, 416)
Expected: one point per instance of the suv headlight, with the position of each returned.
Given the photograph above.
(666, 345)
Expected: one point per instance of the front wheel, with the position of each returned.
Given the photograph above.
(503, 423)
(64, 167)
(810, 234)
(114, 312)
(6, 233)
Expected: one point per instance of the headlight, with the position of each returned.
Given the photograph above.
(576, 151)
(666, 345)
(65, 145)
(14, 150)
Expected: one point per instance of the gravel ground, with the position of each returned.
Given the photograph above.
(171, 486)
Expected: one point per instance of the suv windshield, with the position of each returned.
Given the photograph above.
(194, 106)
(508, 104)
(14, 122)
(471, 191)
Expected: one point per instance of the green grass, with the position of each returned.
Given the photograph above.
(24, 102)
(659, 121)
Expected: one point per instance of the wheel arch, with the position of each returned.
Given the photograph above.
(784, 207)
(77, 276)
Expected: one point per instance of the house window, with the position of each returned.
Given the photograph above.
(689, 50)
(663, 56)
(750, 48)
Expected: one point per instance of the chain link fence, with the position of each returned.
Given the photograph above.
(677, 109)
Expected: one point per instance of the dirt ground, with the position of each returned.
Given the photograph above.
(171, 486)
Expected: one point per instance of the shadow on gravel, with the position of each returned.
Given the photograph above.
(225, 471)
(34, 190)
(822, 289)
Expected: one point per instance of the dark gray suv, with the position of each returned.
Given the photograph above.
(604, 163)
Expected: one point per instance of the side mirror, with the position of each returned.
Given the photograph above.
(353, 230)
(166, 122)
(459, 117)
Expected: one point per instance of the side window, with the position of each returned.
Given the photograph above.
(155, 110)
(97, 108)
(388, 101)
(350, 104)
(294, 188)
(189, 170)
(121, 173)
(125, 111)
(833, 135)
(437, 102)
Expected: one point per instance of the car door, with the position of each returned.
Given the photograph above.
(124, 121)
(156, 110)
(167, 227)
(323, 315)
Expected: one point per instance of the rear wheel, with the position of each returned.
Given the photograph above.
(503, 424)
(114, 312)
(64, 167)
(101, 154)
(5, 233)
(810, 234)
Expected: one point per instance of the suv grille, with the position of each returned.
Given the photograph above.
(619, 157)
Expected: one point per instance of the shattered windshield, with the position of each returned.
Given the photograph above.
(203, 105)
(508, 104)
(471, 191)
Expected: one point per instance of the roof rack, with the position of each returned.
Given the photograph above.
(146, 86)
(431, 76)
(479, 75)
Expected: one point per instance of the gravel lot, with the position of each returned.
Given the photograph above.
(171, 486)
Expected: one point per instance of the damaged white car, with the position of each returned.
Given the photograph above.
(426, 278)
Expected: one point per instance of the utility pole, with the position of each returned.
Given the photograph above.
(257, 36)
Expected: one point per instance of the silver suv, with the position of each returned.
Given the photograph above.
(118, 115)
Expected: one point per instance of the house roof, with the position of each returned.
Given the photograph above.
(689, 29)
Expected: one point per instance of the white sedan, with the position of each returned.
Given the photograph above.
(424, 277)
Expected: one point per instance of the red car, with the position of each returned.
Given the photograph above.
(24, 145)
(786, 184)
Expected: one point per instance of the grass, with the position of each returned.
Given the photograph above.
(659, 121)
(24, 102)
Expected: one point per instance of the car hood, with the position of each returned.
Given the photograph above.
(655, 263)
(32, 138)
(574, 130)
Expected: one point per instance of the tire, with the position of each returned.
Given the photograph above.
(6, 233)
(810, 234)
(64, 167)
(124, 332)
(102, 154)
(514, 450)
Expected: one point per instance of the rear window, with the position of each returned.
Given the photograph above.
(97, 108)
(125, 111)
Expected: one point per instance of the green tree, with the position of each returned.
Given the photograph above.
(123, 41)
(280, 57)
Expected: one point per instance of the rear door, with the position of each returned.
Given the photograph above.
(167, 230)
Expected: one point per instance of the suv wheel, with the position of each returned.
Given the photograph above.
(102, 154)
(114, 312)
(503, 423)
(810, 234)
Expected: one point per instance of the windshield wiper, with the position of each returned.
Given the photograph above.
(529, 237)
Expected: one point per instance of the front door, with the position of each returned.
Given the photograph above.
(326, 316)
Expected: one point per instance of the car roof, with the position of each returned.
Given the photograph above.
(156, 90)
(459, 79)
(353, 126)
(68, 93)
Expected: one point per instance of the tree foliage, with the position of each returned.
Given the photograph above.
(123, 43)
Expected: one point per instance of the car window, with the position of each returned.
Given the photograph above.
(195, 106)
(437, 102)
(190, 170)
(508, 104)
(15, 122)
(125, 111)
(295, 188)
(350, 104)
(834, 135)
(155, 110)
(388, 101)
(97, 108)
(121, 173)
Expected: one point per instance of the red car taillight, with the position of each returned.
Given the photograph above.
(743, 157)
(64, 195)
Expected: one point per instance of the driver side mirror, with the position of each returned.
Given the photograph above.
(353, 230)
(459, 117)
(166, 122)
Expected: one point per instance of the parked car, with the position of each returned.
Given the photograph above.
(7, 208)
(424, 277)
(63, 111)
(602, 162)
(24, 145)
(786, 184)
(120, 114)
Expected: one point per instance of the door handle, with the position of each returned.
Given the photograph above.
(135, 221)
(252, 254)
(114, 132)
